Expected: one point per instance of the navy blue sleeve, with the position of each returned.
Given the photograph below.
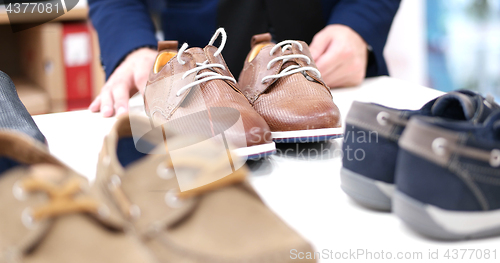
(372, 21)
(122, 26)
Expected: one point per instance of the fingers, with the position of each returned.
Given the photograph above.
(144, 65)
(346, 75)
(121, 95)
(319, 44)
(116, 92)
(96, 104)
(331, 60)
(344, 61)
(349, 72)
(131, 73)
(114, 97)
(107, 101)
(141, 77)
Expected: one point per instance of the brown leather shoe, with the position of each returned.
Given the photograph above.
(284, 86)
(50, 214)
(196, 93)
(219, 220)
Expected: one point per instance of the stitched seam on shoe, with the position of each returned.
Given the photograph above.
(480, 176)
(480, 169)
(486, 179)
(171, 86)
(464, 175)
(253, 95)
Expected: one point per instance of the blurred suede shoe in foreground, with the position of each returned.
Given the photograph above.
(189, 199)
(50, 214)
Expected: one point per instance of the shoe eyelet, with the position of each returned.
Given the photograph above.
(164, 172)
(114, 182)
(27, 218)
(155, 227)
(115, 179)
(18, 191)
(439, 146)
(106, 161)
(495, 158)
(172, 199)
(12, 254)
(307, 76)
(382, 118)
(134, 211)
(103, 211)
(179, 59)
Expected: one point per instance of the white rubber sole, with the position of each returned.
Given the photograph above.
(256, 151)
(305, 136)
(439, 223)
(366, 191)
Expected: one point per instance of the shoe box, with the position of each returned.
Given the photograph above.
(55, 66)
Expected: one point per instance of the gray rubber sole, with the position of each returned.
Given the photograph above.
(415, 215)
(364, 190)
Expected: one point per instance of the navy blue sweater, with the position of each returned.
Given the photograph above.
(125, 25)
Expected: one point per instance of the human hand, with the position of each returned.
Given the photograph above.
(128, 78)
(341, 56)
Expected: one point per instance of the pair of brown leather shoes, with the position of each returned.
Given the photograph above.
(279, 97)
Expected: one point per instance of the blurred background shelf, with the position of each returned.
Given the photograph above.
(56, 65)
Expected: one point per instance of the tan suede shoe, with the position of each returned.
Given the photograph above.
(195, 92)
(48, 214)
(218, 220)
(284, 86)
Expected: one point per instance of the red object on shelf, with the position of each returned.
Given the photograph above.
(77, 56)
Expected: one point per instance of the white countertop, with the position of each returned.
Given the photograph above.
(303, 187)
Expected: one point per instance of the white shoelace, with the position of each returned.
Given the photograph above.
(287, 44)
(206, 76)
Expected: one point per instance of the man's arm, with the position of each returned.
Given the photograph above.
(122, 26)
(354, 27)
(126, 35)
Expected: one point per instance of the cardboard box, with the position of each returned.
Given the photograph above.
(41, 58)
(62, 58)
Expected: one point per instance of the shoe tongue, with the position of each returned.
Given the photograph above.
(455, 105)
(289, 62)
(198, 54)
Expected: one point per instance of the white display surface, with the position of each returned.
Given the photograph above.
(302, 187)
